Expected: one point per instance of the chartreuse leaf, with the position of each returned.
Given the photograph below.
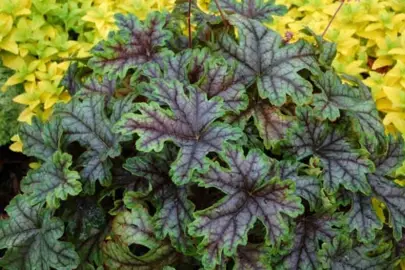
(189, 125)
(342, 253)
(251, 195)
(263, 58)
(41, 140)
(31, 236)
(135, 43)
(173, 209)
(342, 163)
(136, 227)
(309, 232)
(53, 182)
(260, 10)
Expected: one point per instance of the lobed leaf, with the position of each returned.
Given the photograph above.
(251, 195)
(189, 125)
(309, 232)
(31, 238)
(41, 140)
(363, 218)
(342, 163)
(262, 58)
(343, 254)
(260, 10)
(53, 182)
(135, 43)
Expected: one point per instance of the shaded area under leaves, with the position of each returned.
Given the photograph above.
(13, 167)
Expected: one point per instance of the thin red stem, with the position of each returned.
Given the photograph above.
(220, 12)
(190, 37)
(333, 17)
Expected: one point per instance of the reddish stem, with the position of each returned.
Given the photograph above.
(220, 12)
(333, 17)
(190, 38)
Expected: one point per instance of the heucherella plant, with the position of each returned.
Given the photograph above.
(39, 37)
(228, 149)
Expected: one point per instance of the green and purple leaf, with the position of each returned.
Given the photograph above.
(136, 227)
(263, 58)
(30, 236)
(53, 182)
(189, 125)
(342, 163)
(135, 44)
(173, 209)
(250, 195)
(260, 10)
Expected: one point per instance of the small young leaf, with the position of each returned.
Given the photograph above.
(136, 227)
(136, 43)
(251, 195)
(53, 182)
(263, 59)
(189, 126)
(31, 237)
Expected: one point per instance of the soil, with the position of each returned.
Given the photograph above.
(13, 167)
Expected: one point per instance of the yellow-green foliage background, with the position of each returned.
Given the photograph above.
(36, 37)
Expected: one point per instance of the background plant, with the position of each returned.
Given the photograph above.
(250, 152)
(8, 110)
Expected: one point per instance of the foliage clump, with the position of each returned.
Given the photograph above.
(230, 149)
(8, 109)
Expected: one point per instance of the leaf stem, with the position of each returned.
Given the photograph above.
(220, 12)
(190, 38)
(333, 17)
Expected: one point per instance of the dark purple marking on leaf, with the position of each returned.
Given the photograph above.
(251, 195)
(253, 9)
(188, 124)
(262, 58)
(341, 162)
(136, 43)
